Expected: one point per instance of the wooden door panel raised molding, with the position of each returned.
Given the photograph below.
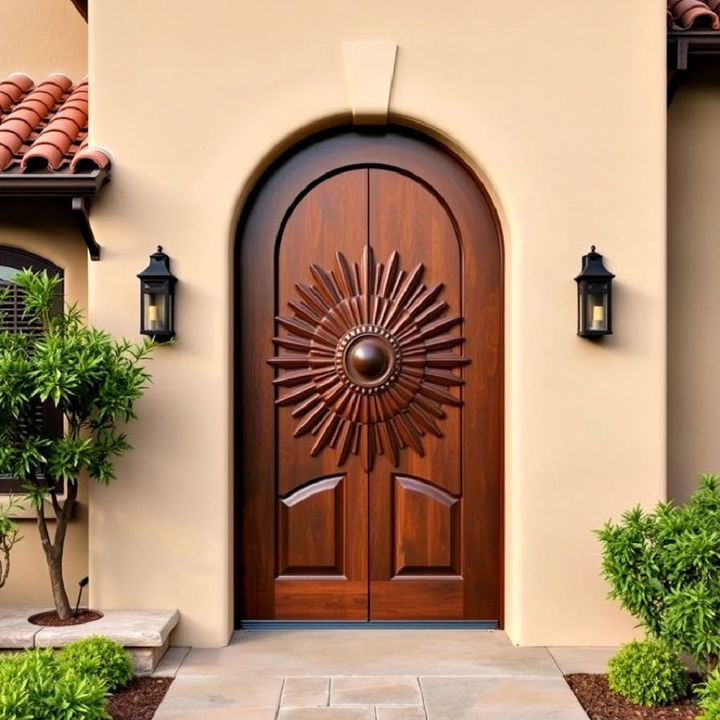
(371, 441)
(369, 359)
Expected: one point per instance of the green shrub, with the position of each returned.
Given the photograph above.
(708, 696)
(99, 657)
(664, 568)
(24, 680)
(78, 697)
(15, 702)
(34, 686)
(648, 673)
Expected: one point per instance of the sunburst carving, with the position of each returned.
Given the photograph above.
(368, 359)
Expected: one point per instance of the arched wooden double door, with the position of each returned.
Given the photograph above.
(370, 422)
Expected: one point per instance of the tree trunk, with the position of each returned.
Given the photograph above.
(62, 604)
(5, 564)
(54, 551)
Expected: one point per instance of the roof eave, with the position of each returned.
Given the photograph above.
(682, 43)
(76, 186)
(80, 184)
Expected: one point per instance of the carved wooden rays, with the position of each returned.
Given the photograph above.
(368, 359)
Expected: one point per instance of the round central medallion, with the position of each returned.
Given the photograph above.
(370, 357)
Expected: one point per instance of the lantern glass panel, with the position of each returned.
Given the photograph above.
(596, 311)
(155, 308)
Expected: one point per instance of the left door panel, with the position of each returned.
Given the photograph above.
(319, 551)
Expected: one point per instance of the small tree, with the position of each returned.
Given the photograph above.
(82, 373)
(9, 536)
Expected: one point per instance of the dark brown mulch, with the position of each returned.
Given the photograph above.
(140, 699)
(50, 618)
(601, 703)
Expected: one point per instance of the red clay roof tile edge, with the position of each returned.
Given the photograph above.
(686, 13)
(10, 77)
(59, 74)
(99, 157)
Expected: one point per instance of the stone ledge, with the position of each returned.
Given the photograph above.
(16, 632)
(145, 633)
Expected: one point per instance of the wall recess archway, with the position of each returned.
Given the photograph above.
(369, 387)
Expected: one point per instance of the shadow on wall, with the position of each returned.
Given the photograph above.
(693, 433)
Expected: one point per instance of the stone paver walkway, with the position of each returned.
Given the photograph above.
(377, 674)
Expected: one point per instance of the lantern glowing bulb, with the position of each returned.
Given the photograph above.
(598, 317)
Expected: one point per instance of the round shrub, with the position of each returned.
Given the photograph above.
(664, 568)
(99, 657)
(648, 673)
(18, 674)
(26, 681)
(34, 686)
(77, 697)
(15, 702)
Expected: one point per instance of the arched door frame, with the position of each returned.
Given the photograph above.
(259, 208)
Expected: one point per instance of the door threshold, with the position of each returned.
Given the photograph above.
(369, 625)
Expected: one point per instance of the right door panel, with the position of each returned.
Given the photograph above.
(426, 509)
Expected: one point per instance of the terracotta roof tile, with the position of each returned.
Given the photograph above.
(12, 89)
(693, 14)
(88, 158)
(44, 127)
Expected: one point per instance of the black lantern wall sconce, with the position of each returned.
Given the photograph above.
(157, 298)
(594, 297)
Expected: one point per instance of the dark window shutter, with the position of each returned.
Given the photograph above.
(12, 318)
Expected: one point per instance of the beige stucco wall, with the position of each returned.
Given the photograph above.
(46, 228)
(40, 37)
(567, 130)
(693, 288)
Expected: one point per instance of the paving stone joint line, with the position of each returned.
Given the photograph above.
(422, 695)
(282, 693)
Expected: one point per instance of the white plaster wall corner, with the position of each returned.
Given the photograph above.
(369, 71)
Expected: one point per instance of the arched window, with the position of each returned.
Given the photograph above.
(12, 319)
